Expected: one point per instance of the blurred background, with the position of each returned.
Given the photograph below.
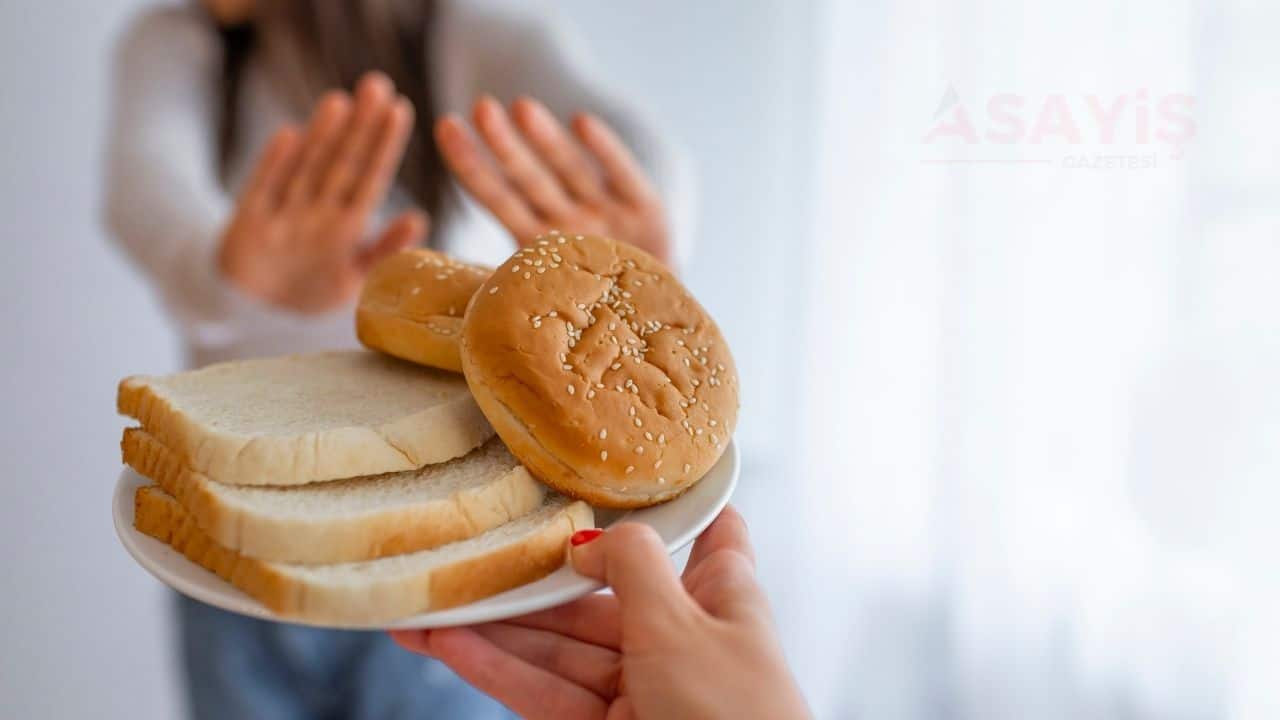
(1001, 281)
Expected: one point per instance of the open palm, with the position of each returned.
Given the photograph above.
(534, 175)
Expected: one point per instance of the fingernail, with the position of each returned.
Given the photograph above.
(582, 537)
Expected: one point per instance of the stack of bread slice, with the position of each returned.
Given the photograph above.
(343, 487)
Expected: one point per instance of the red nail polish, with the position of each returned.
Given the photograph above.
(583, 537)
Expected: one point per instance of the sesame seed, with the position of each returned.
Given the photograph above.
(615, 366)
(566, 366)
(604, 454)
(415, 291)
(657, 465)
(541, 270)
(515, 268)
(632, 411)
(715, 440)
(603, 433)
(662, 439)
(527, 261)
(638, 423)
(591, 394)
(662, 481)
(698, 431)
(712, 422)
(630, 469)
(687, 466)
(639, 449)
(571, 391)
(527, 276)
(493, 289)
(551, 314)
(696, 382)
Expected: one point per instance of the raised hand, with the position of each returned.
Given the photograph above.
(661, 647)
(294, 239)
(533, 174)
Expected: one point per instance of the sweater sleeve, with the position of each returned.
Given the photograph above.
(163, 203)
(530, 51)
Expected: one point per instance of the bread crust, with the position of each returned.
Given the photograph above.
(379, 600)
(600, 371)
(435, 433)
(243, 528)
(412, 303)
(432, 342)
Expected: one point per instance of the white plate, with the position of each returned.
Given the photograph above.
(678, 522)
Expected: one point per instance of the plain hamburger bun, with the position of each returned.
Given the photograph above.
(600, 371)
(412, 303)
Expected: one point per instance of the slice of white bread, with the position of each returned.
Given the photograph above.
(346, 520)
(307, 418)
(513, 554)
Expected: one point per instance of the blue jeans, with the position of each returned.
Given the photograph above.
(240, 667)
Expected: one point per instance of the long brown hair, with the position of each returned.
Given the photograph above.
(340, 40)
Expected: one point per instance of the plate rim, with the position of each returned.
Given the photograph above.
(149, 553)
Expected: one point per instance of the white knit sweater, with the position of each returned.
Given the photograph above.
(166, 206)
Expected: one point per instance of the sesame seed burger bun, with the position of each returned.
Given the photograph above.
(412, 304)
(600, 371)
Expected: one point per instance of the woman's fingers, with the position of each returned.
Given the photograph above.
(383, 159)
(530, 691)
(621, 169)
(721, 574)
(324, 129)
(414, 641)
(590, 666)
(558, 149)
(727, 532)
(631, 558)
(374, 94)
(405, 231)
(522, 167)
(485, 183)
(592, 619)
(265, 188)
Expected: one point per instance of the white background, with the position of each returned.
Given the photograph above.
(1011, 431)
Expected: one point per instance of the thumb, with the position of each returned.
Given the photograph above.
(406, 230)
(631, 558)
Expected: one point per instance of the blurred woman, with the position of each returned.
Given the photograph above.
(263, 155)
